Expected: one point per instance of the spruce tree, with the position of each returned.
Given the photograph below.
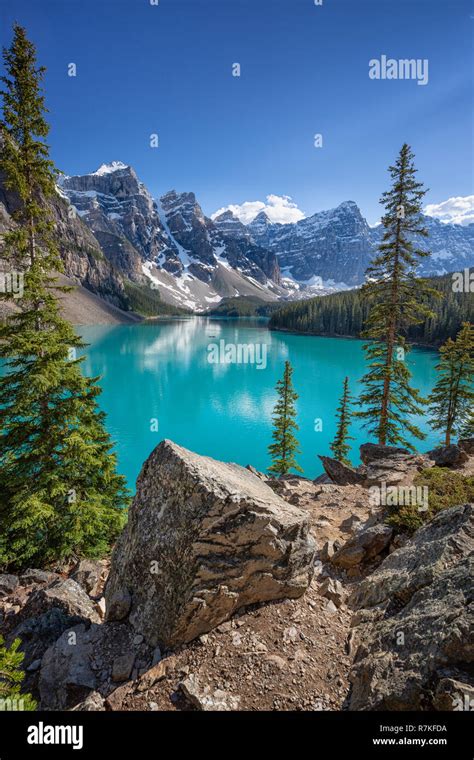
(285, 448)
(61, 494)
(452, 398)
(11, 676)
(396, 298)
(339, 446)
(467, 427)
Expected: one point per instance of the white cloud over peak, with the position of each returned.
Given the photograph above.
(278, 208)
(458, 210)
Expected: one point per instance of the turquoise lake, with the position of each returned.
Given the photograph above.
(158, 375)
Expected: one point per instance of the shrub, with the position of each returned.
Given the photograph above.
(11, 677)
(446, 488)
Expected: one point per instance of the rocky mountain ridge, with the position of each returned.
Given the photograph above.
(195, 261)
(169, 244)
(83, 258)
(337, 245)
(113, 232)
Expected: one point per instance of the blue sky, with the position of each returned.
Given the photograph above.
(167, 69)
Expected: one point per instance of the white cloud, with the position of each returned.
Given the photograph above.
(459, 210)
(278, 208)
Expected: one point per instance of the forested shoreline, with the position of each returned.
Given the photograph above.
(343, 315)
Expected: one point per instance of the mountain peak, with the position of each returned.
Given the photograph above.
(348, 205)
(114, 166)
(225, 216)
(262, 218)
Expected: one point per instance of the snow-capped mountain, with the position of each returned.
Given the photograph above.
(451, 246)
(84, 261)
(121, 213)
(169, 243)
(332, 245)
(337, 245)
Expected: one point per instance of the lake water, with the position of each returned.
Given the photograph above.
(158, 375)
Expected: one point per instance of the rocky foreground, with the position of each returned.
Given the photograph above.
(231, 591)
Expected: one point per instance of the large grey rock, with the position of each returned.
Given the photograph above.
(363, 547)
(333, 590)
(401, 469)
(449, 456)
(370, 452)
(413, 623)
(8, 583)
(340, 473)
(392, 465)
(49, 611)
(84, 659)
(66, 676)
(203, 539)
(88, 573)
(32, 575)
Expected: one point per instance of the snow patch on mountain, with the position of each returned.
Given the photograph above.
(114, 166)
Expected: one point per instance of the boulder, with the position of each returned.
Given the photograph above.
(333, 590)
(449, 456)
(370, 452)
(66, 676)
(340, 473)
(88, 574)
(38, 576)
(122, 667)
(203, 539)
(413, 620)
(392, 465)
(84, 659)
(8, 584)
(399, 469)
(363, 547)
(49, 611)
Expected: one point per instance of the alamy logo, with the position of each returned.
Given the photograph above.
(463, 702)
(403, 68)
(42, 734)
(237, 353)
(463, 282)
(10, 704)
(12, 282)
(399, 496)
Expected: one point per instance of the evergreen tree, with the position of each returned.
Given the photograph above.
(339, 446)
(61, 494)
(467, 427)
(285, 448)
(397, 299)
(452, 398)
(11, 677)
(448, 310)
